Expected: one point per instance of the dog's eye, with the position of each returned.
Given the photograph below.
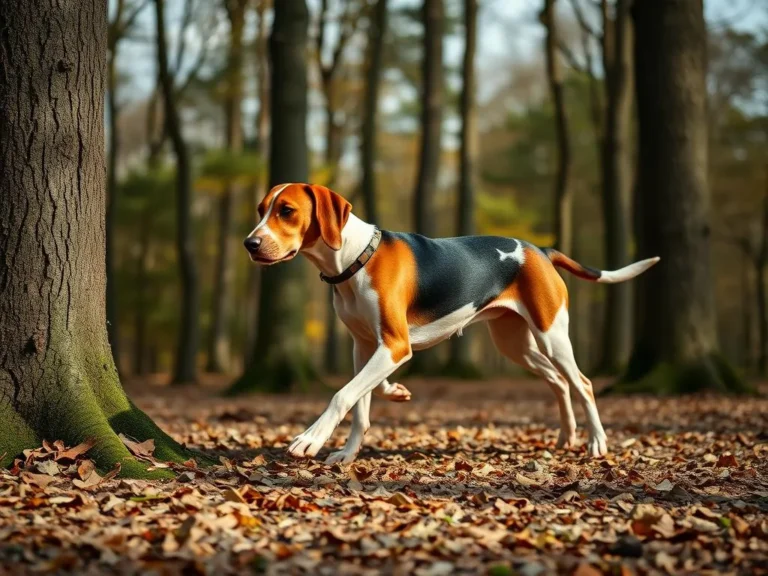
(286, 211)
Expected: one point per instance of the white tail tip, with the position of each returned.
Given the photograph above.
(628, 272)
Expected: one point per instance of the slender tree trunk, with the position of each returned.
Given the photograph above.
(460, 360)
(677, 350)
(761, 263)
(262, 146)
(746, 313)
(142, 294)
(762, 318)
(112, 198)
(431, 117)
(563, 196)
(58, 379)
(332, 157)
(219, 338)
(280, 359)
(185, 370)
(616, 175)
(373, 80)
(427, 362)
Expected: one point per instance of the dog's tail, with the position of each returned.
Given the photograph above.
(560, 260)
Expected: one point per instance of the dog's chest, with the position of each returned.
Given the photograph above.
(356, 305)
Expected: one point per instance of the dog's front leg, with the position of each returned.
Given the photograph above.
(360, 413)
(381, 364)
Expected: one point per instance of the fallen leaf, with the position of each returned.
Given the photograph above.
(74, 452)
(139, 449)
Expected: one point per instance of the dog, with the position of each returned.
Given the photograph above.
(399, 292)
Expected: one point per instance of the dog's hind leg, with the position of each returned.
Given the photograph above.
(555, 344)
(514, 340)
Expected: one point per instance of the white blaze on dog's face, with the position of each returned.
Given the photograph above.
(295, 217)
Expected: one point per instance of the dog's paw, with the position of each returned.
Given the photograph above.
(343, 456)
(597, 446)
(308, 443)
(565, 440)
(394, 392)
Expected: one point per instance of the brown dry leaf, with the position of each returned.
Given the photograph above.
(139, 449)
(360, 473)
(401, 500)
(525, 481)
(727, 461)
(88, 475)
(41, 480)
(73, 453)
(232, 495)
(48, 467)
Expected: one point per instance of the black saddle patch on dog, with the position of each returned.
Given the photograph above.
(454, 272)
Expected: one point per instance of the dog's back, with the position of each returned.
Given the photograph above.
(454, 272)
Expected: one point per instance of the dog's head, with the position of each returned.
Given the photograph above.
(294, 217)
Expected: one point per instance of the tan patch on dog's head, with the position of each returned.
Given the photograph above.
(294, 216)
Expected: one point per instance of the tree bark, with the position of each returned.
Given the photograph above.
(427, 362)
(185, 370)
(280, 359)
(112, 199)
(616, 174)
(219, 338)
(677, 349)
(262, 146)
(761, 263)
(373, 80)
(460, 360)
(431, 117)
(58, 379)
(563, 196)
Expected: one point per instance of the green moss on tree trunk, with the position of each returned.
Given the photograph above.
(58, 379)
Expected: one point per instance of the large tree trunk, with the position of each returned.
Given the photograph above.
(616, 175)
(460, 360)
(219, 338)
(114, 142)
(677, 349)
(262, 146)
(373, 80)
(280, 360)
(563, 196)
(185, 370)
(58, 379)
(427, 361)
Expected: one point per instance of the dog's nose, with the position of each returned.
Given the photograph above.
(252, 243)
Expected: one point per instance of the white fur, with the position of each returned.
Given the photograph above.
(263, 223)
(628, 272)
(517, 254)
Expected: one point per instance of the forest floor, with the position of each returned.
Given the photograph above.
(463, 479)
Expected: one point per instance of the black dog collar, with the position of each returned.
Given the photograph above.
(361, 260)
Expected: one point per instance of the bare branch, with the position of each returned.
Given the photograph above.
(570, 57)
(130, 20)
(320, 39)
(181, 48)
(349, 23)
(581, 19)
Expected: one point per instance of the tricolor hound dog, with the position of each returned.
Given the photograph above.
(400, 292)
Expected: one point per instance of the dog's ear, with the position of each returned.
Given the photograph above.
(331, 213)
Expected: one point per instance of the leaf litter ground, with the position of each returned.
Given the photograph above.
(463, 479)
